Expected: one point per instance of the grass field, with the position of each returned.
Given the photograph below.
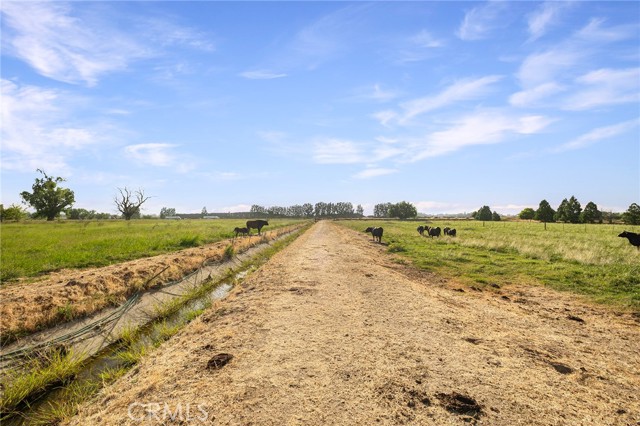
(590, 260)
(29, 249)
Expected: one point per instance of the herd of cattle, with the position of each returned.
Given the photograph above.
(424, 230)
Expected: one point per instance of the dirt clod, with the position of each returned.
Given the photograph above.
(219, 361)
(458, 403)
(561, 368)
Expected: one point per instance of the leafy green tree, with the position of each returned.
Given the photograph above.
(545, 213)
(359, 210)
(495, 217)
(632, 215)
(204, 211)
(13, 212)
(167, 211)
(484, 214)
(381, 210)
(527, 214)
(561, 213)
(591, 214)
(403, 210)
(47, 198)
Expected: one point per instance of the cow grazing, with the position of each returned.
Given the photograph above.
(243, 231)
(420, 230)
(376, 233)
(435, 232)
(256, 224)
(446, 230)
(452, 232)
(633, 238)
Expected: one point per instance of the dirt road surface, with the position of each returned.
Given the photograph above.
(332, 331)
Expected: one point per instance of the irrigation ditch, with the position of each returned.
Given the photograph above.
(45, 376)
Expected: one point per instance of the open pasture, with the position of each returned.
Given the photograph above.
(32, 248)
(586, 259)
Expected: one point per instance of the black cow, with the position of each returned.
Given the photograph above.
(446, 230)
(420, 230)
(376, 233)
(633, 238)
(435, 232)
(452, 232)
(256, 224)
(243, 231)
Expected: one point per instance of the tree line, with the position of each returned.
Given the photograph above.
(49, 199)
(571, 211)
(308, 210)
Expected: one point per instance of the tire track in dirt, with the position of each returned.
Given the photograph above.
(331, 331)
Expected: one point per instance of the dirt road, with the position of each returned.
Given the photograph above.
(333, 331)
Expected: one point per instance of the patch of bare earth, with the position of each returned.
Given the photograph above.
(331, 331)
(27, 307)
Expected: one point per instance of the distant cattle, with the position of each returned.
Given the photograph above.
(633, 238)
(420, 230)
(450, 232)
(256, 224)
(445, 231)
(243, 231)
(435, 232)
(376, 233)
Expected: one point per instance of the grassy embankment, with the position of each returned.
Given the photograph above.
(135, 344)
(586, 259)
(32, 248)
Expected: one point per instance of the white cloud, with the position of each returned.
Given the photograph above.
(605, 87)
(462, 90)
(544, 17)
(77, 45)
(38, 130)
(372, 172)
(63, 47)
(261, 75)
(533, 96)
(155, 154)
(337, 151)
(480, 128)
(482, 20)
(599, 134)
(425, 39)
(385, 117)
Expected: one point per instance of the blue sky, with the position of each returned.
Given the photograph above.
(448, 105)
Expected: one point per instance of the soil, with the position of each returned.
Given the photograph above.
(334, 330)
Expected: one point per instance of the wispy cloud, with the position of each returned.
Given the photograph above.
(545, 16)
(337, 151)
(599, 134)
(483, 127)
(462, 90)
(261, 75)
(480, 21)
(159, 155)
(38, 129)
(372, 172)
(418, 47)
(605, 87)
(63, 47)
(67, 43)
(534, 95)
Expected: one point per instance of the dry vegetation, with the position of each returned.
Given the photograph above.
(68, 294)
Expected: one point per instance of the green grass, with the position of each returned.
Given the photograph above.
(32, 248)
(589, 260)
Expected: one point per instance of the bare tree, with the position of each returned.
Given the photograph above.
(129, 202)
